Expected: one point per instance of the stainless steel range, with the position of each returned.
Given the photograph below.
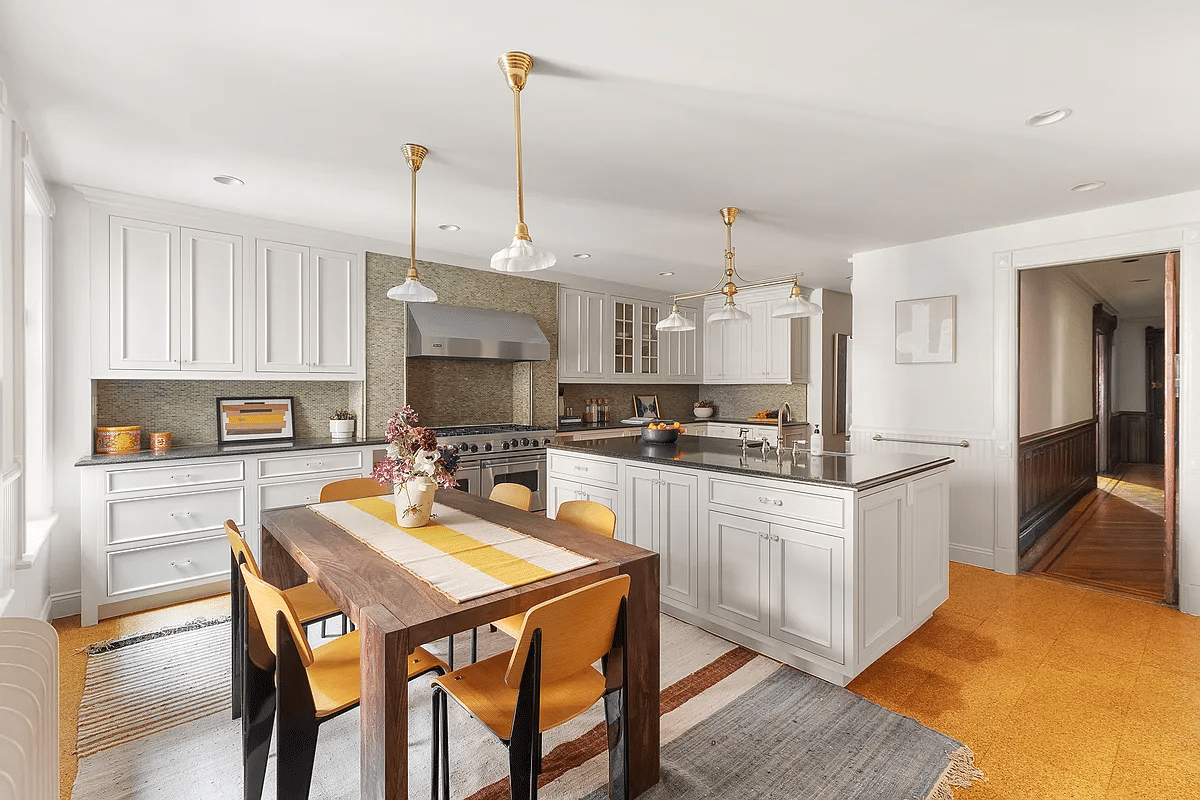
(493, 454)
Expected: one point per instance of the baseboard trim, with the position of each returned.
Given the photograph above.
(45, 612)
(1033, 529)
(975, 556)
(64, 604)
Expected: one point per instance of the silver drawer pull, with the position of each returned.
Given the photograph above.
(309, 499)
(769, 501)
(774, 537)
(181, 477)
(183, 563)
(313, 464)
(181, 513)
(581, 469)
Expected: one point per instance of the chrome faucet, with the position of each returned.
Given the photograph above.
(779, 422)
(766, 446)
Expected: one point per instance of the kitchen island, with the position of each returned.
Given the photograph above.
(823, 562)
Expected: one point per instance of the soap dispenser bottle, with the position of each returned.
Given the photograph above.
(816, 442)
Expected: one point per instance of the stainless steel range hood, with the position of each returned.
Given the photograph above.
(441, 331)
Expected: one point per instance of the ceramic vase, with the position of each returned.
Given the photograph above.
(414, 501)
(702, 413)
(341, 428)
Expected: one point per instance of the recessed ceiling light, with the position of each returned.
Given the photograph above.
(1131, 260)
(1088, 186)
(583, 255)
(229, 180)
(447, 227)
(1048, 117)
(666, 274)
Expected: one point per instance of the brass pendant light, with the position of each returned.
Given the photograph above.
(521, 255)
(412, 290)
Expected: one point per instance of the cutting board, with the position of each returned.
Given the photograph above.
(761, 421)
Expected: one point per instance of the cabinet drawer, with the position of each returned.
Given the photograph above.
(143, 518)
(588, 470)
(183, 473)
(295, 493)
(306, 464)
(807, 506)
(168, 565)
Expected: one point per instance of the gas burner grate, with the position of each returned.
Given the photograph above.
(484, 430)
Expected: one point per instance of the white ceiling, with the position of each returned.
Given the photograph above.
(1133, 287)
(836, 127)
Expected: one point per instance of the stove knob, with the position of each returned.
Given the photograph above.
(546, 440)
(487, 448)
(474, 448)
(505, 445)
(512, 443)
(462, 448)
(524, 443)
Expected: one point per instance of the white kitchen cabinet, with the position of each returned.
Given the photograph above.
(738, 573)
(929, 520)
(143, 295)
(636, 340)
(581, 339)
(308, 310)
(660, 513)
(210, 306)
(682, 351)
(883, 588)
(561, 490)
(762, 350)
(808, 581)
(175, 299)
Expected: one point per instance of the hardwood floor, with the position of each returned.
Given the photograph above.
(1112, 539)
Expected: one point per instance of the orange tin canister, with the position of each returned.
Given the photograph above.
(119, 439)
(160, 440)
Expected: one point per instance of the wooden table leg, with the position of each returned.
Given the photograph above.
(277, 565)
(384, 705)
(643, 622)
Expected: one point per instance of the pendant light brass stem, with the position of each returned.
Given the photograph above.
(414, 154)
(516, 66)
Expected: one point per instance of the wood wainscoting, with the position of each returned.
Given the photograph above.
(1131, 436)
(1055, 469)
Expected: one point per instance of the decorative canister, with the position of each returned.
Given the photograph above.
(119, 439)
(160, 440)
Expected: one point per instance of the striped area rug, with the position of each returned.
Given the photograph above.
(734, 724)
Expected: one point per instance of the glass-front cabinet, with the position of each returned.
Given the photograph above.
(635, 338)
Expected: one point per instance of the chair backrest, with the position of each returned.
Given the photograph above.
(512, 494)
(589, 515)
(267, 601)
(241, 550)
(577, 629)
(352, 489)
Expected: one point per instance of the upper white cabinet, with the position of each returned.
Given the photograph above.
(581, 318)
(183, 301)
(763, 350)
(307, 315)
(681, 349)
(175, 298)
(635, 339)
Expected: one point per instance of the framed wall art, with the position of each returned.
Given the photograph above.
(925, 330)
(645, 405)
(254, 419)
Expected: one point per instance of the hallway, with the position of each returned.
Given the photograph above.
(1112, 539)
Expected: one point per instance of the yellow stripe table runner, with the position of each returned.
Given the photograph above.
(457, 553)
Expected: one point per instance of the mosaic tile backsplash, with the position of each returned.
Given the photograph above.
(674, 401)
(740, 401)
(188, 409)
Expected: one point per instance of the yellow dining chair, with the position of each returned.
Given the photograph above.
(352, 489)
(512, 494)
(587, 514)
(310, 686)
(310, 602)
(545, 681)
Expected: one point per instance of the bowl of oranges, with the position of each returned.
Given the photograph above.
(661, 432)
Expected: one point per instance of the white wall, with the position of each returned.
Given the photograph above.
(1129, 363)
(1055, 351)
(975, 399)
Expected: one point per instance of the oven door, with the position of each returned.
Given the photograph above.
(469, 478)
(530, 472)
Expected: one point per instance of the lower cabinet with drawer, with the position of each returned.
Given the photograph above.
(153, 534)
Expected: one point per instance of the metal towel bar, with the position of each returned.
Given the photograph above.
(879, 437)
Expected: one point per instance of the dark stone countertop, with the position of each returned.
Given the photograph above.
(576, 427)
(858, 471)
(214, 450)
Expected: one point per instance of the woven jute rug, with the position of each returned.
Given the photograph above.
(734, 725)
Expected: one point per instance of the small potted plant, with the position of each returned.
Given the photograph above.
(341, 424)
(702, 409)
(414, 467)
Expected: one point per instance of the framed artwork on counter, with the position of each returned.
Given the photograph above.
(254, 419)
(645, 405)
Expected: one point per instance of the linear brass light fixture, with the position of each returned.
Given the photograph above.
(412, 290)
(795, 305)
(521, 255)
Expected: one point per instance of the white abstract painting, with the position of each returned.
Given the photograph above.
(925, 330)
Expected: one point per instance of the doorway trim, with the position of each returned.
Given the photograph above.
(1185, 239)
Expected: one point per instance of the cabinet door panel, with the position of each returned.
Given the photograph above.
(807, 591)
(735, 342)
(882, 585)
(607, 498)
(559, 491)
(759, 331)
(581, 334)
(210, 301)
(333, 325)
(680, 348)
(143, 268)
(930, 515)
(738, 557)
(641, 507)
(624, 333)
(649, 344)
(282, 271)
(778, 364)
(678, 538)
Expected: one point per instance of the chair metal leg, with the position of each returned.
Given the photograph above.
(450, 651)
(236, 626)
(258, 721)
(296, 719)
(445, 746)
(434, 739)
(474, 645)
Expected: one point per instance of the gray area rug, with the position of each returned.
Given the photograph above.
(739, 726)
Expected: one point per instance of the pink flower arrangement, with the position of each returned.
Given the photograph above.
(413, 453)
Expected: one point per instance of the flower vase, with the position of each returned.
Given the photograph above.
(414, 501)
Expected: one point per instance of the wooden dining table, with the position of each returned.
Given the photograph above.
(397, 611)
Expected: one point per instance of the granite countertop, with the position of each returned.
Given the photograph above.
(214, 450)
(576, 427)
(858, 471)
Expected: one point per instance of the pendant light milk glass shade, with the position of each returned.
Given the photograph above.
(729, 313)
(676, 322)
(522, 256)
(795, 307)
(412, 290)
